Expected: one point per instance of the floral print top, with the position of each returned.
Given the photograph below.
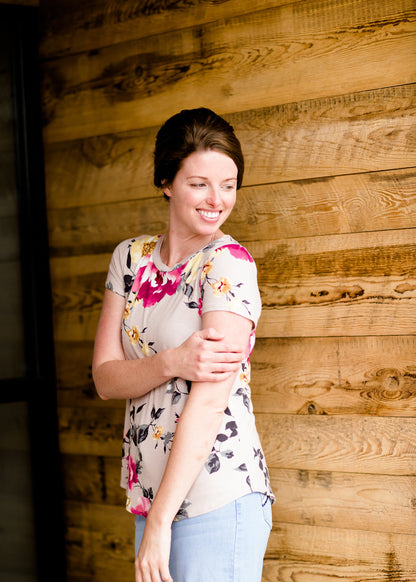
(163, 308)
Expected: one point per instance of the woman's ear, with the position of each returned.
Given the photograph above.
(166, 188)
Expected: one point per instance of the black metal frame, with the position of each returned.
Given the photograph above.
(38, 387)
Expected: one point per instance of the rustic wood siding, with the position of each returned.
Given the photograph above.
(322, 94)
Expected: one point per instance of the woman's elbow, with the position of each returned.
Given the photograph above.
(99, 383)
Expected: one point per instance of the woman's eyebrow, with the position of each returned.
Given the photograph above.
(204, 178)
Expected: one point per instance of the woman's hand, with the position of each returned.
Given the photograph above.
(152, 560)
(205, 357)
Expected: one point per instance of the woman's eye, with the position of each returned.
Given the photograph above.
(198, 185)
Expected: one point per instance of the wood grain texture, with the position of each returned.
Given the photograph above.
(99, 542)
(339, 443)
(365, 286)
(381, 503)
(92, 431)
(73, 362)
(77, 27)
(282, 55)
(321, 206)
(343, 375)
(93, 479)
(319, 554)
(100, 170)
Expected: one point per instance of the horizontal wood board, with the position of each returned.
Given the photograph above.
(77, 27)
(320, 554)
(142, 82)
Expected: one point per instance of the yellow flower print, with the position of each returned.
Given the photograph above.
(138, 300)
(148, 248)
(244, 378)
(206, 269)
(140, 249)
(145, 348)
(126, 312)
(133, 334)
(158, 432)
(192, 267)
(221, 287)
(136, 251)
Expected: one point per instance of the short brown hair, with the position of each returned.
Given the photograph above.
(189, 131)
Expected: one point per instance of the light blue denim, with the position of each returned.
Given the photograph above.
(224, 545)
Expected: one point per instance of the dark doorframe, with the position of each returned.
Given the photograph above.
(37, 387)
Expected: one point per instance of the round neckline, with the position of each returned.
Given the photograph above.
(161, 266)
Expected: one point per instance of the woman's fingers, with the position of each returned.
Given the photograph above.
(145, 573)
(210, 333)
(205, 356)
(214, 343)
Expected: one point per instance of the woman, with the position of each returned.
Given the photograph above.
(187, 303)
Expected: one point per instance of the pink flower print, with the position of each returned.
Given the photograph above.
(151, 285)
(239, 252)
(251, 342)
(131, 465)
(142, 507)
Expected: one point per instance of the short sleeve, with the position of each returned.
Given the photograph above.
(229, 282)
(117, 271)
(125, 262)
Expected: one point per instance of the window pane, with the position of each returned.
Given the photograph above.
(12, 357)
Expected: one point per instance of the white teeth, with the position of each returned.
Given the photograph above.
(208, 214)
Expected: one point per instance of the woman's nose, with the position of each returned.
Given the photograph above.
(213, 196)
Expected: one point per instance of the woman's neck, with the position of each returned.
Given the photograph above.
(174, 249)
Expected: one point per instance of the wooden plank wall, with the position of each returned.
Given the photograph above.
(323, 96)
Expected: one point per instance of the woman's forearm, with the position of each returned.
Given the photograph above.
(123, 379)
(194, 438)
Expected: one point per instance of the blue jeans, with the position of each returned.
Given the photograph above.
(224, 545)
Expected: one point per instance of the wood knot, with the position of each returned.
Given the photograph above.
(390, 384)
(99, 151)
(311, 408)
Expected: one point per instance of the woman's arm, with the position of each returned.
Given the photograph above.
(194, 438)
(206, 356)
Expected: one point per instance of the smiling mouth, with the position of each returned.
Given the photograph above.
(209, 213)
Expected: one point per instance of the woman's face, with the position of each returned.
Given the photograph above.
(202, 194)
